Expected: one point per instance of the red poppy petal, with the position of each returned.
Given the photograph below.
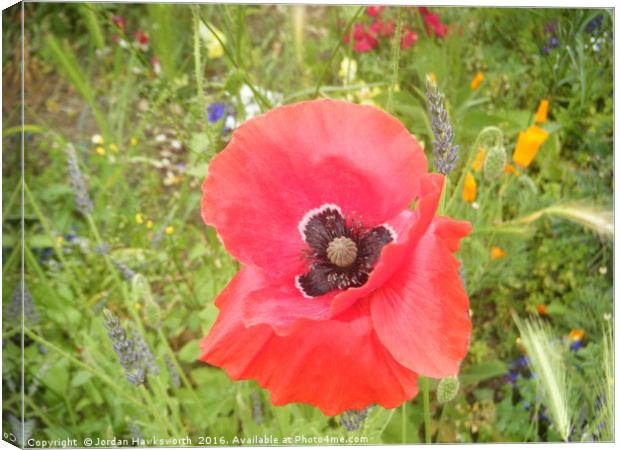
(334, 365)
(298, 157)
(281, 305)
(421, 314)
(220, 347)
(410, 226)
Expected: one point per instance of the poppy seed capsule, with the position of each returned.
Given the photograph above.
(342, 251)
(494, 162)
(447, 389)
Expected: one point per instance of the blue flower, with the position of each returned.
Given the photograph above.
(215, 111)
(576, 346)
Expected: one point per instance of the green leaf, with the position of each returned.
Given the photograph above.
(190, 351)
(482, 371)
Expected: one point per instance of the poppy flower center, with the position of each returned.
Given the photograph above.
(341, 253)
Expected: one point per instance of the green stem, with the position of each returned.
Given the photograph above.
(335, 50)
(427, 410)
(198, 72)
(403, 422)
(395, 61)
(173, 358)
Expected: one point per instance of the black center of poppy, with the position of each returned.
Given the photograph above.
(341, 253)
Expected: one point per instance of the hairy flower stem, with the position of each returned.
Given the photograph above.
(427, 410)
(395, 61)
(199, 75)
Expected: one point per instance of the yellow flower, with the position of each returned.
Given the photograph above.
(215, 50)
(169, 230)
(541, 113)
(433, 76)
(475, 82)
(528, 144)
(497, 252)
(137, 306)
(214, 47)
(149, 224)
(100, 151)
(113, 147)
(139, 218)
(469, 188)
(576, 334)
(133, 141)
(479, 160)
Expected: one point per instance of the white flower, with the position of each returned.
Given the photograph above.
(96, 139)
(348, 70)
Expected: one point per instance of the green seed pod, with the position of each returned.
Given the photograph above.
(494, 162)
(152, 313)
(447, 389)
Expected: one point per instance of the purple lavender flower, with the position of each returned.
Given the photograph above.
(445, 153)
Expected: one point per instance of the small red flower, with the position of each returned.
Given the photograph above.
(374, 11)
(119, 21)
(433, 22)
(364, 40)
(382, 29)
(345, 295)
(142, 39)
(408, 38)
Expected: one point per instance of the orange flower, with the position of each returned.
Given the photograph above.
(576, 334)
(479, 161)
(469, 188)
(528, 144)
(541, 113)
(475, 82)
(542, 309)
(433, 76)
(509, 168)
(497, 252)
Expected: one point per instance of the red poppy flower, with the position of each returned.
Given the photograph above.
(345, 295)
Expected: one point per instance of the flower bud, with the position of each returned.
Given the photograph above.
(447, 389)
(494, 162)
